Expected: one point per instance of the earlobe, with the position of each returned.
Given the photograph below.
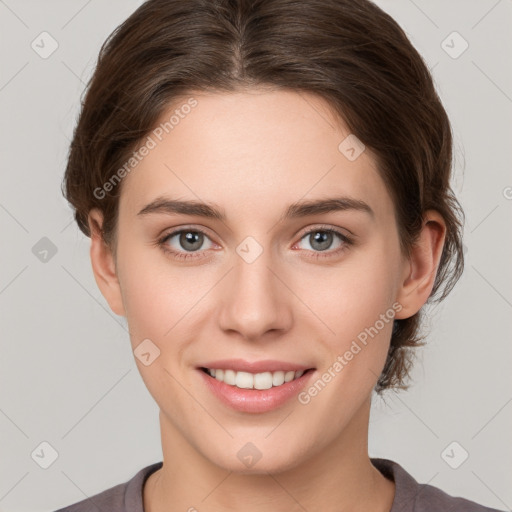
(420, 269)
(103, 264)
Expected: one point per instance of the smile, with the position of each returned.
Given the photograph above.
(247, 380)
(254, 387)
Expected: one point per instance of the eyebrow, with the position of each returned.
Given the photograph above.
(295, 210)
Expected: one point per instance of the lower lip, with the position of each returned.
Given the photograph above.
(255, 400)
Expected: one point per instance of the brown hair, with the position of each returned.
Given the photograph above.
(349, 52)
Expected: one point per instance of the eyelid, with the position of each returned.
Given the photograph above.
(167, 233)
(325, 227)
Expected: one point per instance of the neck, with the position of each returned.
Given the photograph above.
(340, 477)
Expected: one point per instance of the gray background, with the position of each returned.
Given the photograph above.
(67, 374)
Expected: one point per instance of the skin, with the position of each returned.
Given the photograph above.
(253, 153)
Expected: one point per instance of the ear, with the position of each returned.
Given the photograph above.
(420, 268)
(103, 264)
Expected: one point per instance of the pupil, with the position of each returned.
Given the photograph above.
(324, 239)
(191, 237)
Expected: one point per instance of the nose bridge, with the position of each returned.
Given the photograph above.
(254, 300)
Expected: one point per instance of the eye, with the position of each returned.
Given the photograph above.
(183, 242)
(321, 240)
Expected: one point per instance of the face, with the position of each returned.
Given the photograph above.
(266, 288)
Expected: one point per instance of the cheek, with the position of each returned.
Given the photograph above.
(358, 350)
(156, 304)
(352, 296)
(163, 301)
(149, 294)
(353, 357)
(146, 305)
(357, 313)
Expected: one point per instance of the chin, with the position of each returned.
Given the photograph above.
(247, 459)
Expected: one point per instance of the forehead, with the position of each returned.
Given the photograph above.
(255, 149)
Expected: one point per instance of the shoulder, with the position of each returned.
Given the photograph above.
(124, 497)
(411, 496)
(432, 498)
(110, 499)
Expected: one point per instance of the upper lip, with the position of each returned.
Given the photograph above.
(241, 365)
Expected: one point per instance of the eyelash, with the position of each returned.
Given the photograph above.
(162, 242)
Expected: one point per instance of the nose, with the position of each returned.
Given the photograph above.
(255, 301)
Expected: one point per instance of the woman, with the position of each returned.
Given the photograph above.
(266, 185)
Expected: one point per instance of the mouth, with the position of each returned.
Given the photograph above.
(254, 387)
(261, 381)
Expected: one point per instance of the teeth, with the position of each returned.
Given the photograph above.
(263, 380)
(288, 376)
(230, 377)
(246, 380)
(277, 378)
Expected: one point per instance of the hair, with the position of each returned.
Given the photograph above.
(348, 52)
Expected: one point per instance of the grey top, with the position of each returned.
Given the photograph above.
(410, 496)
